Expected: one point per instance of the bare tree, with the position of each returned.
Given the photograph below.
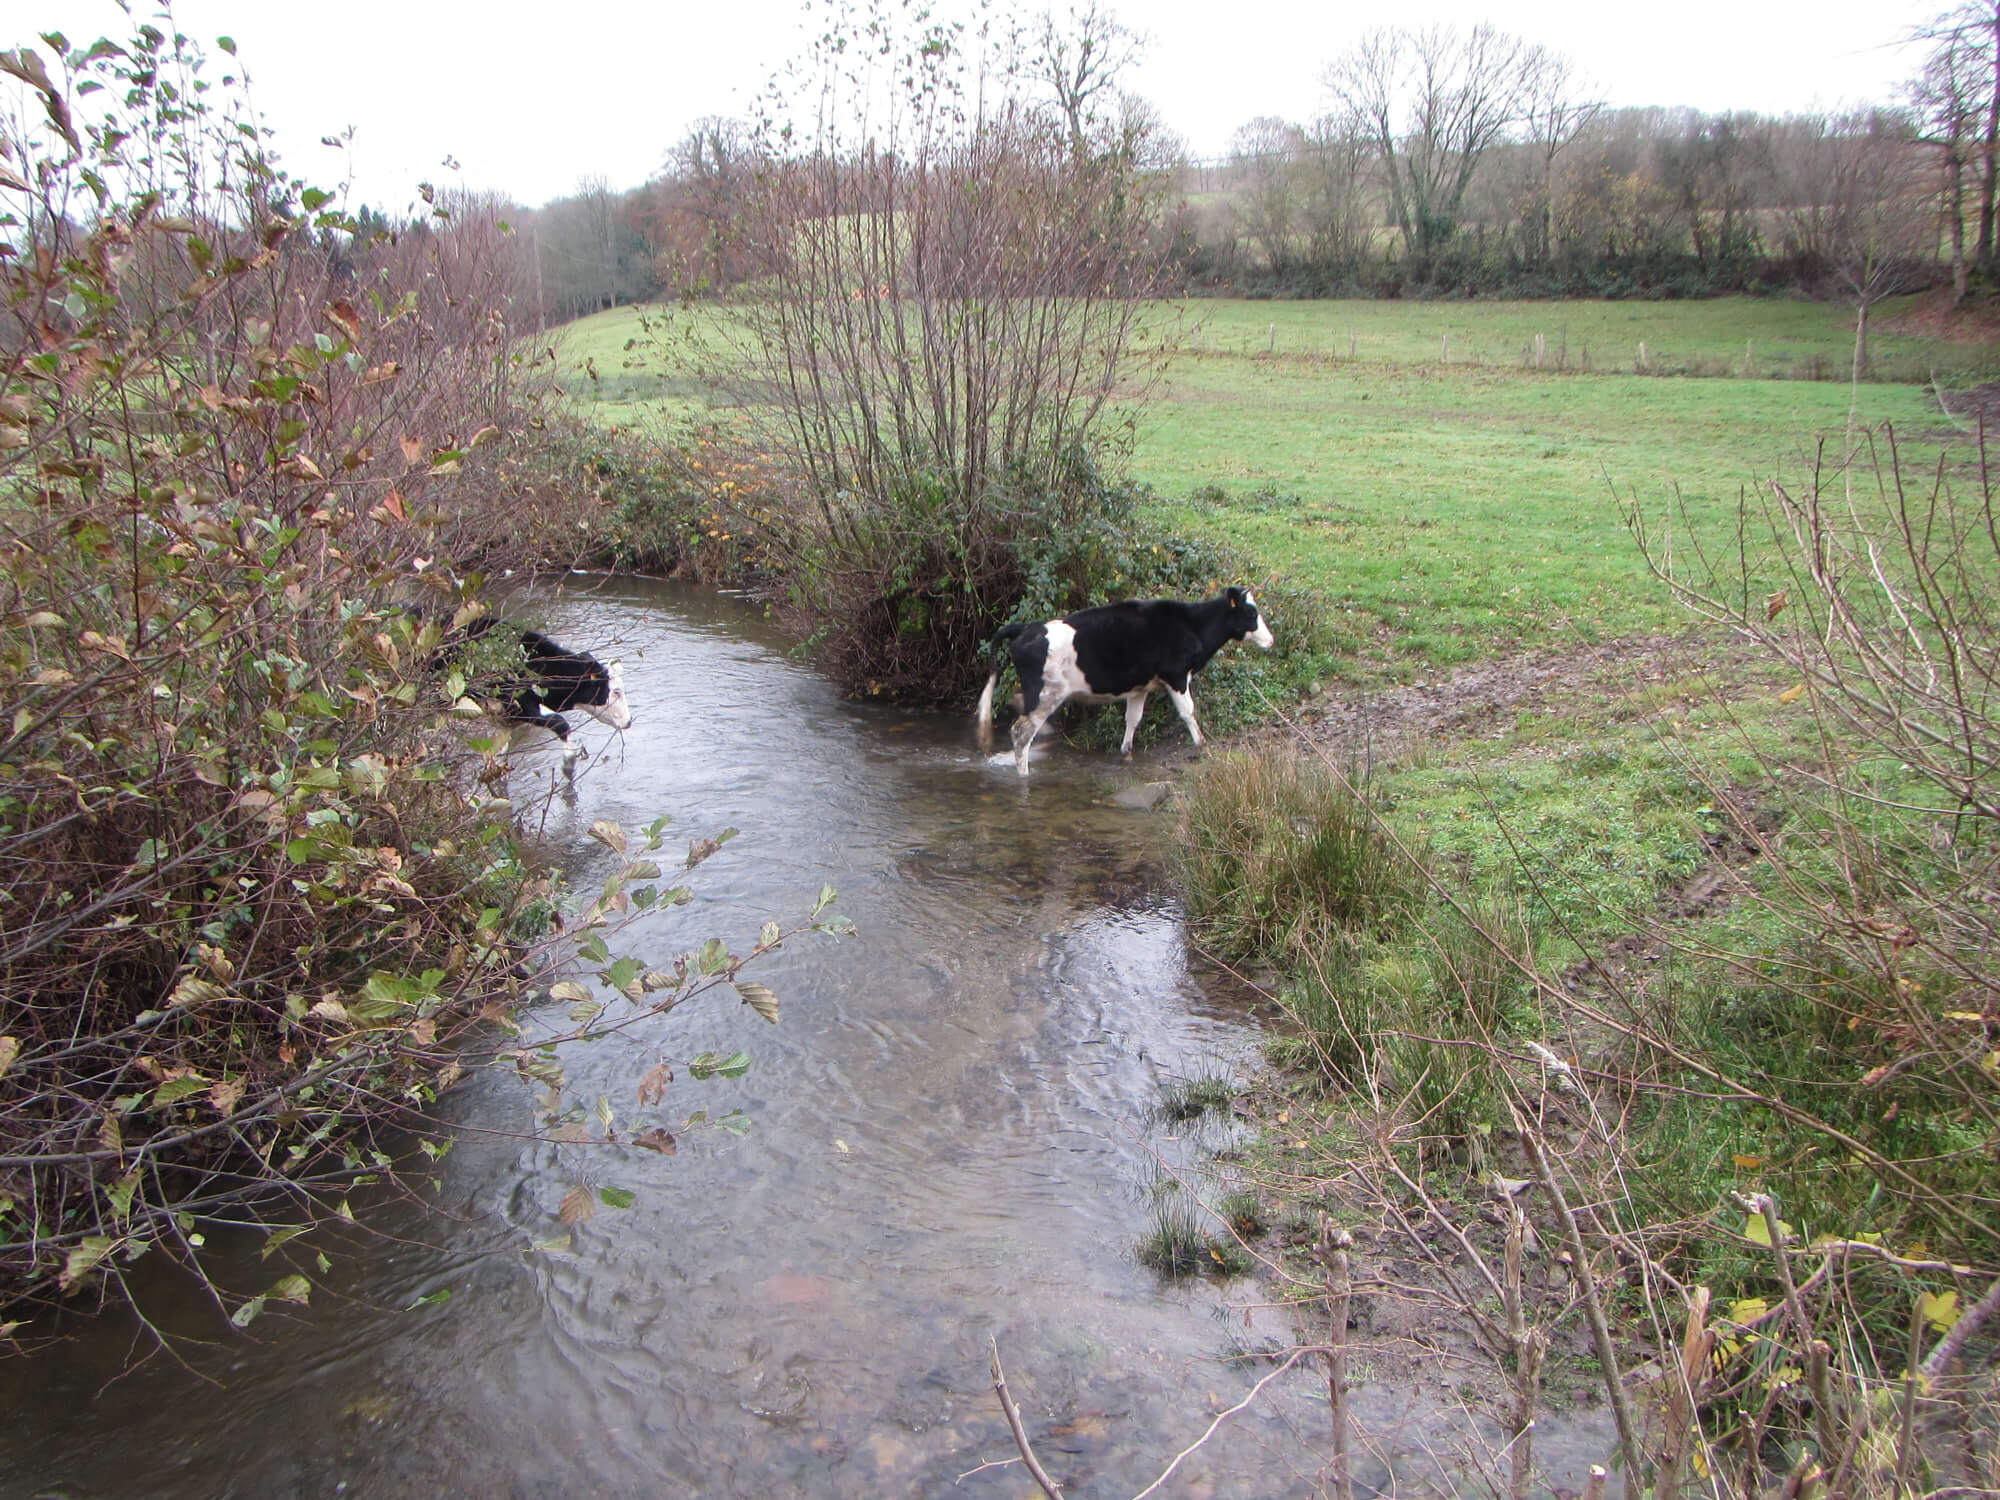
(1983, 20)
(698, 205)
(1553, 114)
(1859, 219)
(1336, 162)
(946, 297)
(1263, 153)
(1709, 170)
(1435, 101)
(1884, 239)
(1948, 96)
(1144, 141)
(1080, 55)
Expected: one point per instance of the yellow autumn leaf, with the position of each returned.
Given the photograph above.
(1939, 1309)
(1759, 1232)
(1748, 1310)
(1747, 1163)
(1792, 694)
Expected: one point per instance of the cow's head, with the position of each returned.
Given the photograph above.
(1246, 620)
(616, 709)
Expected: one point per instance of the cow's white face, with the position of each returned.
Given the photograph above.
(1262, 634)
(616, 710)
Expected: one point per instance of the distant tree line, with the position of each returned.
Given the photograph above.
(1445, 163)
(1637, 202)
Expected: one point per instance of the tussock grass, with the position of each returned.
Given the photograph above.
(1278, 856)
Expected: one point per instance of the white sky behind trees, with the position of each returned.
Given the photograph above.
(529, 100)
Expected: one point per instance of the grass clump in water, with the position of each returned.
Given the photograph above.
(1179, 1243)
(1207, 1093)
(1277, 856)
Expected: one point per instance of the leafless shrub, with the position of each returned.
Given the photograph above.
(950, 283)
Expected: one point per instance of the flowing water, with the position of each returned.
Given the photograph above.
(954, 1139)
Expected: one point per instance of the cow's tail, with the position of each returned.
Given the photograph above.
(983, 715)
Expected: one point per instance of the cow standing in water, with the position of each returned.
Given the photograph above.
(1117, 651)
(552, 678)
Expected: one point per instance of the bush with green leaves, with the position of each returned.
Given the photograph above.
(260, 894)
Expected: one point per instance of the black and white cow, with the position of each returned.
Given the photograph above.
(1117, 651)
(551, 678)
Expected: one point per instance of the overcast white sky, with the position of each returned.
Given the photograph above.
(529, 99)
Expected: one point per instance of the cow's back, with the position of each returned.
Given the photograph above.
(1120, 647)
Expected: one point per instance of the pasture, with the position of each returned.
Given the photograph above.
(1450, 499)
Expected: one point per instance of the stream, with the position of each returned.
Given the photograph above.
(953, 1139)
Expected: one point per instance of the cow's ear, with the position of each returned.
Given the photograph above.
(1235, 597)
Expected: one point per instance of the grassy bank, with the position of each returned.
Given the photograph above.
(1701, 941)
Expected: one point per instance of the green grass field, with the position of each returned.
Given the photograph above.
(1449, 497)
(1461, 509)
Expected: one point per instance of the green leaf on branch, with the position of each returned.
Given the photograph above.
(708, 1065)
(278, 1238)
(1759, 1232)
(119, 1194)
(713, 958)
(178, 1088)
(617, 1197)
(85, 1258)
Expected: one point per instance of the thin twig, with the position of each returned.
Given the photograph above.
(1334, 1244)
(1593, 1307)
(1049, 1486)
(1255, 1391)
